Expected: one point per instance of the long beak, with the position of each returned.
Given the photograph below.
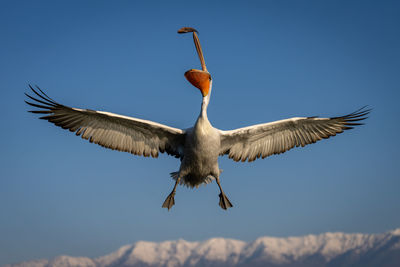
(199, 51)
(196, 43)
(200, 79)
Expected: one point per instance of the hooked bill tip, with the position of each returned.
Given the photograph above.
(187, 29)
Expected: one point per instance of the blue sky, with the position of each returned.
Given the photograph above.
(269, 60)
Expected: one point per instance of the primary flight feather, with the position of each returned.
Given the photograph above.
(198, 147)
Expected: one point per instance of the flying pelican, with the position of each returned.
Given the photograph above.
(198, 147)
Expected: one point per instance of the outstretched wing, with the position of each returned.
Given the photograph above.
(136, 136)
(263, 140)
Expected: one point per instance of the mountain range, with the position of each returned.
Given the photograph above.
(323, 250)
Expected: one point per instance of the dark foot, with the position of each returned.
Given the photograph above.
(169, 201)
(224, 201)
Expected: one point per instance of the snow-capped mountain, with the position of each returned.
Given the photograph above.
(329, 249)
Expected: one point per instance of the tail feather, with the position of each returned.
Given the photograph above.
(186, 181)
(174, 175)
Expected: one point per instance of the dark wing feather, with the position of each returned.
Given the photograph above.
(263, 140)
(139, 137)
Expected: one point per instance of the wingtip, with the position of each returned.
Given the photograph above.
(363, 110)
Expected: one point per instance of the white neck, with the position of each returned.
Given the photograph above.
(204, 104)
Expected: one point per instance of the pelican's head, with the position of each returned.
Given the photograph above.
(200, 79)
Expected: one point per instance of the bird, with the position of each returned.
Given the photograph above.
(197, 147)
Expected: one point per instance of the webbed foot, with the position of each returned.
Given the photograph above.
(224, 201)
(169, 201)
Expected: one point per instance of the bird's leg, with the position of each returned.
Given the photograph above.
(223, 199)
(170, 201)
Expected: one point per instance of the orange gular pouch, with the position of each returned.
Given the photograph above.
(199, 79)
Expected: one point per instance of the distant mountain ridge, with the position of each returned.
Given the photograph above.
(328, 249)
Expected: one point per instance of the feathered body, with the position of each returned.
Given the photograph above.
(201, 150)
